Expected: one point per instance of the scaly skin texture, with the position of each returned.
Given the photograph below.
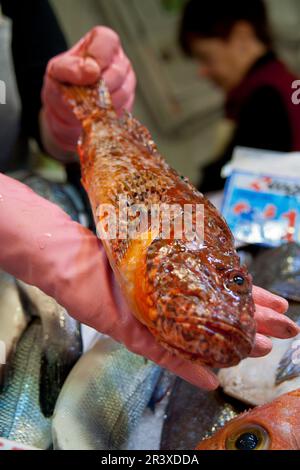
(183, 291)
(277, 426)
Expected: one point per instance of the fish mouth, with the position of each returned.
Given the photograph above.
(217, 345)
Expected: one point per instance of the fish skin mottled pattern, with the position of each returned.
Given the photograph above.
(185, 292)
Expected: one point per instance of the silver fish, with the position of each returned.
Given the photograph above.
(259, 381)
(193, 414)
(62, 343)
(21, 419)
(103, 398)
(13, 322)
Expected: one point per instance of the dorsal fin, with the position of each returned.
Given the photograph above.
(138, 132)
(85, 100)
(105, 101)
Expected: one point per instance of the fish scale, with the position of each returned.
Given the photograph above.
(119, 157)
(21, 419)
(274, 426)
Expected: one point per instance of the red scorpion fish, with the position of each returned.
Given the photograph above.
(275, 426)
(192, 295)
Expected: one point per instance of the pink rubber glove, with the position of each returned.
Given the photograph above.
(98, 54)
(41, 245)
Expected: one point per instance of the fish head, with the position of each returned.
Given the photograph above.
(274, 426)
(200, 301)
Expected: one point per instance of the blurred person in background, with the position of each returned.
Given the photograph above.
(232, 42)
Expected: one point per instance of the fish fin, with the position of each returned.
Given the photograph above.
(138, 132)
(289, 366)
(85, 100)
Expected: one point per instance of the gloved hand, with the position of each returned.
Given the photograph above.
(41, 245)
(98, 54)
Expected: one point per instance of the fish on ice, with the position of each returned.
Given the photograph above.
(194, 296)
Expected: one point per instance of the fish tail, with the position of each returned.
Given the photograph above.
(86, 100)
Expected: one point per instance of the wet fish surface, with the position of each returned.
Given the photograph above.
(13, 322)
(61, 344)
(278, 270)
(21, 418)
(194, 296)
(275, 426)
(193, 414)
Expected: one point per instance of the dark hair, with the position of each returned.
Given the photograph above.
(216, 18)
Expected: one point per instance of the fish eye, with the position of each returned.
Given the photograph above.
(248, 438)
(239, 280)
